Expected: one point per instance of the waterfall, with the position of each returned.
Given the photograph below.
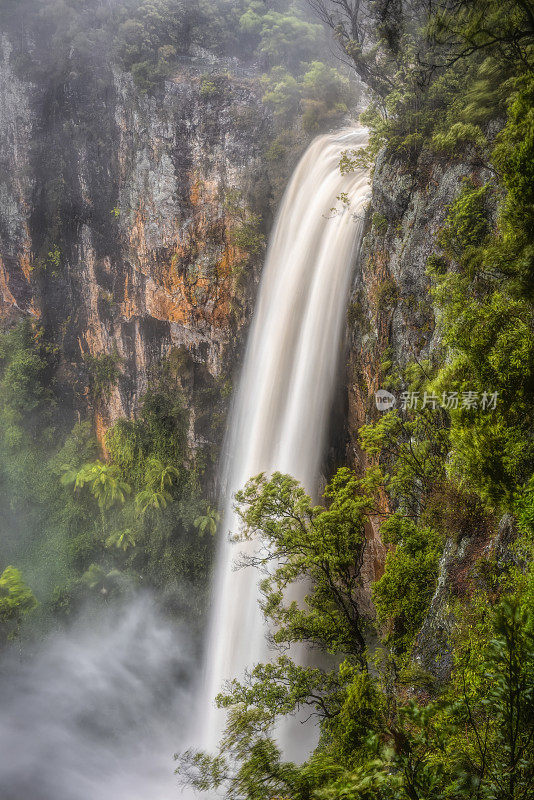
(282, 406)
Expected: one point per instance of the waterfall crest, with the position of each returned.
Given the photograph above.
(281, 409)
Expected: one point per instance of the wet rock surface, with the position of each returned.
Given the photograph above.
(115, 230)
(390, 323)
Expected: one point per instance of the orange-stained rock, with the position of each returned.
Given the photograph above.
(146, 260)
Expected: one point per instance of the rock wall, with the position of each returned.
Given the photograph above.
(16, 295)
(115, 232)
(391, 322)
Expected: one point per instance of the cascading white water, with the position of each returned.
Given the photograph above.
(281, 410)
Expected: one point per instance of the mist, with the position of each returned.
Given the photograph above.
(96, 711)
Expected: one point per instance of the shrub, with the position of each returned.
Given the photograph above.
(104, 373)
(401, 596)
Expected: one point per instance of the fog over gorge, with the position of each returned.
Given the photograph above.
(96, 710)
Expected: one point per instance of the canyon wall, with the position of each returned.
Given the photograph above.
(391, 322)
(118, 220)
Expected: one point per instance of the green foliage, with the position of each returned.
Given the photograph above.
(457, 136)
(245, 231)
(321, 544)
(380, 223)
(403, 593)
(475, 739)
(446, 473)
(285, 38)
(155, 37)
(439, 75)
(122, 539)
(152, 456)
(363, 158)
(66, 511)
(524, 507)
(160, 432)
(326, 96)
(466, 225)
(159, 480)
(208, 522)
(386, 294)
(247, 237)
(320, 94)
(39, 515)
(475, 742)
(412, 449)
(356, 314)
(358, 715)
(24, 400)
(52, 262)
(513, 157)
(104, 373)
(106, 484)
(492, 697)
(16, 600)
(150, 39)
(101, 581)
(208, 88)
(486, 325)
(282, 93)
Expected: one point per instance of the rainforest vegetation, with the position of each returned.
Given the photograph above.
(446, 81)
(83, 519)
(78, 524)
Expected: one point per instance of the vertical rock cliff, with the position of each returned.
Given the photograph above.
(391, 322)
(120, 219)
(16, 295)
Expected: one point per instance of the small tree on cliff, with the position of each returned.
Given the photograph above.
(321, 548)
(105, 481)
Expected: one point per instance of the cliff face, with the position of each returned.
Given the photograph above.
(391, 322)
(390, 318)
(115, 226)
(16, 295)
